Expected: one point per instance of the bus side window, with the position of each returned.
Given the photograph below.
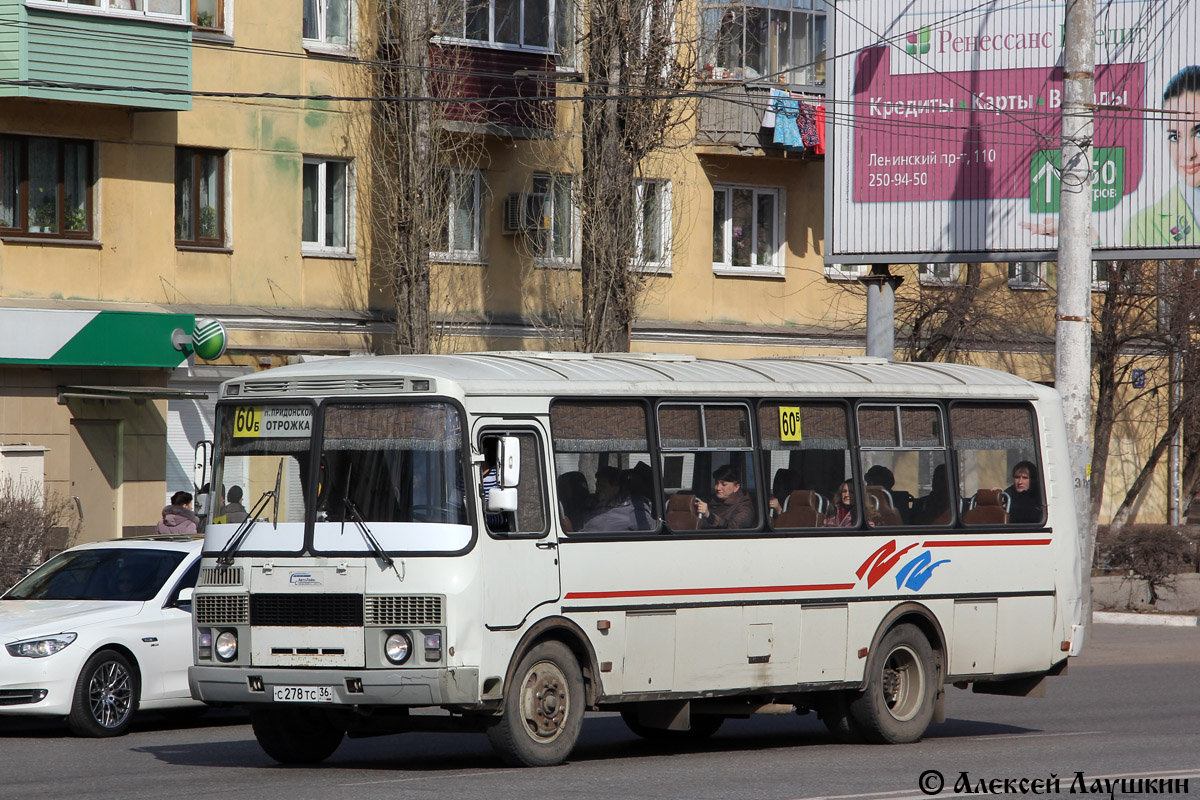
(530, 514)
(995, 448)
(806, 452)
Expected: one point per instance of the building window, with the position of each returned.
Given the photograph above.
(149, 8)
(653, 224)
(751, 41)
(846, 272)
(459, 236)
(208, 15)
(942, 273)
(522, 24)
(1101, 270)
(325, 206)
(1026, 275)
(199, 197)
(747, 229)
(554, 238)
(327, 22)
(46, 186)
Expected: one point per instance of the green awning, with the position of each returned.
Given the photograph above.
(46, 337)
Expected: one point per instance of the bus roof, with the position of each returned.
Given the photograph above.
(537, 373)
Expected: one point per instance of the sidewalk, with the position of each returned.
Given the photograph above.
(1124, 602)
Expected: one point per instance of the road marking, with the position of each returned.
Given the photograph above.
(439, 776)
(1024, 735)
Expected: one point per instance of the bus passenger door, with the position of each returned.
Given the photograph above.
(520, 547)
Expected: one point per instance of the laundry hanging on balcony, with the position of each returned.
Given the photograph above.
(798, 125)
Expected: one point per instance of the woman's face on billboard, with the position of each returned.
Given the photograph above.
(1183, 136)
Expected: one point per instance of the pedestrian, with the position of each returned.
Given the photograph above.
(178, 517)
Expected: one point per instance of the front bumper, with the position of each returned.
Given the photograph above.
(380, 687)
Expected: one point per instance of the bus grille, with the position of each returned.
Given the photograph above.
(404, 610)
(301, 610)
(221, 609)
(221, 576)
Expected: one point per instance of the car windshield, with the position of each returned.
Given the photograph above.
(99, 574)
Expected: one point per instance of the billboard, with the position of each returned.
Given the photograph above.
(946, 125)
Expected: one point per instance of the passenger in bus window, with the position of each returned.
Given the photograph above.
(843, 508)
(616, 509)
(935, 506)
(731, 507)
(574, 496)
(1024, 499)
(881, 476)
(781, 488)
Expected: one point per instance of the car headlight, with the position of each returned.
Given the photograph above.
(397, 648)
(40, 647)
(226, 645)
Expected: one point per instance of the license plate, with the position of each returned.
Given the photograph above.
(303, 694)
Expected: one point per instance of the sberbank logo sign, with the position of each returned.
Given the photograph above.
(919, 41)
(209, 339)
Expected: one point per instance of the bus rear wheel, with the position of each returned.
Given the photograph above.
(897, 705)
(295, 735)
(543, 709)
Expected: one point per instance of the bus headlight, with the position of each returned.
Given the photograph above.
(433, 646)
(397, 648)
(226, 645)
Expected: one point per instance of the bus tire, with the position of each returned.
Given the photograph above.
(295, 735)
(834, 711)
(897, 705)
(543, 708)
(703, 726)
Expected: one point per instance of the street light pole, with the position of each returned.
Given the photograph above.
(1073, 326)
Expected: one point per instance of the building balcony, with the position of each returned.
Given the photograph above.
(731, 117)
(97, 51)
(511, 92)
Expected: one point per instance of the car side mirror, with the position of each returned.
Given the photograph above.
(184, 598)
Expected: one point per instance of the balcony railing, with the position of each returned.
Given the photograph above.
(731, 115)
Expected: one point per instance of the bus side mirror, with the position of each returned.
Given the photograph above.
(510, 464)
(501, 500)
(200, 467)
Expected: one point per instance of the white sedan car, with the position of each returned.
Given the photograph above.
(99, 631)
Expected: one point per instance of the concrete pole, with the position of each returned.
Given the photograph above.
(881, 311)
(1073, 326)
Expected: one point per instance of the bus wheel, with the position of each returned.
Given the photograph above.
(897, 705)
(543, 709)
(834, 711)
(295, 735)
(703, 726)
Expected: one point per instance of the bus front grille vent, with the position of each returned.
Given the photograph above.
(404, 610)
(221, 609)
(302, 610)
(220, 576)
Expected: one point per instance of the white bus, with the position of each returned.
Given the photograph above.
(516, 538)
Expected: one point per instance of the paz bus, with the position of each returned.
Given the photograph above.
(517, 538)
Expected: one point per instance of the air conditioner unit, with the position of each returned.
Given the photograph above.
(525, 212)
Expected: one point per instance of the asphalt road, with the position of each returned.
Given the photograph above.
(1130, 706)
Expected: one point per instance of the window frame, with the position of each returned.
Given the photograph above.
(496, 430)
(1017, 276)
(1035, 439)
(846, 272)
(665, 224)
(22, 209)
(927, 273)
(475, 253)
(105, 8)
(810, 65)
(779, 229)
(320, 43)
(556, 183)
(197, 241)
(552, 29)
(1101, 284)
(945, 448)
(317, 246)
(218, 25)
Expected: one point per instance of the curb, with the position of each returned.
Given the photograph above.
(1172, 620)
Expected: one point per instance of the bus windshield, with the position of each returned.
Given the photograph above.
(258, 447)
(392, 462)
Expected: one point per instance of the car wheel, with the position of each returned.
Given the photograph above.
(106, 696)
(543, 709)
(295, 735)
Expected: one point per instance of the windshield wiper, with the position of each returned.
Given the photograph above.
(243, 530)
(373, 543)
